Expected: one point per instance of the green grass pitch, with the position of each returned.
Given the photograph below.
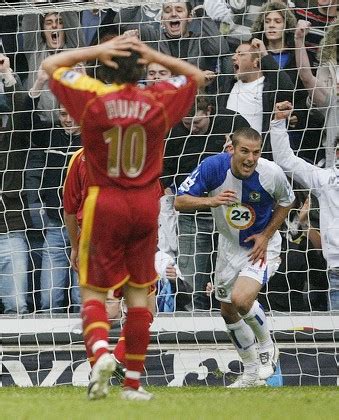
(187, 403)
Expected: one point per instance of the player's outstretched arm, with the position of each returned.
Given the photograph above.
(283, 155)
(117, 47)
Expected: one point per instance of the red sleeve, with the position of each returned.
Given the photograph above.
(73, 194)
(74, 90)
(177, 95)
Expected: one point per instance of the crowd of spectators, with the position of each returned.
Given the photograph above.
(253, 55)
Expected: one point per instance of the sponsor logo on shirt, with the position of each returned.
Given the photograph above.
(254, 197)
(70, 76)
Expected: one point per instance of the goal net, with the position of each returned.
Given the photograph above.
(41, 334)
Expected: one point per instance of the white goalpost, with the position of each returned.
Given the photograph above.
(41, 340)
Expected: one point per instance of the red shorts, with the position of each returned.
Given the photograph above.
(119, 293)
(119, 238)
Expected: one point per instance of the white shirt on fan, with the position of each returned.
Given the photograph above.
(323, 183)
(246, 98)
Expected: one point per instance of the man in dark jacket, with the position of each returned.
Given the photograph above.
(14, 217)
(173, 35)
(59, 143)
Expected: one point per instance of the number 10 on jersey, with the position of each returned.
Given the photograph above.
(126, 151)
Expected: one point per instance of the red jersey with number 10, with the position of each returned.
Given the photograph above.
(123, 126)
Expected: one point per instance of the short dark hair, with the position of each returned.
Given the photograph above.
(254, 53)
(188, 6)
(247, 132)
(203, 103)
(128, 71)
(42, 23)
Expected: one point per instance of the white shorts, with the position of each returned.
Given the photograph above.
(232, 262)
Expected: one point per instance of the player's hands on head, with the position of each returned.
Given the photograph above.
(225, 198)
(131, 33)
(283, 110)
(148, 54)
(119, 46)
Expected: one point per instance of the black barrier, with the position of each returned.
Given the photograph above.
(300, 366)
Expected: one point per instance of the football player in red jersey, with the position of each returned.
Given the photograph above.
(74, 195)
(123, 127)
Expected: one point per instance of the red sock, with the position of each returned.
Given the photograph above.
(137, 339)
(120, 348)
(89, 353)
(95, 329)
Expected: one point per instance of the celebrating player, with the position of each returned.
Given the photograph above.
(123, 127)
(249, 197)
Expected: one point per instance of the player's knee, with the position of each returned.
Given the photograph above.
(135, 296)
(241, 303)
